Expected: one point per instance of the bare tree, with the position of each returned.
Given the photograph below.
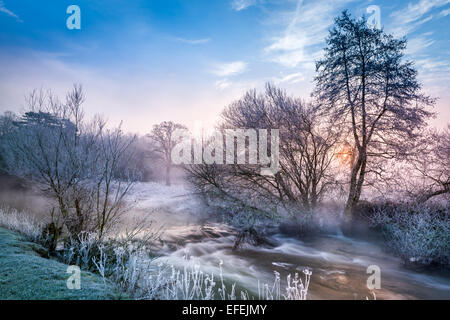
(306, 143)
(76, 161)
(365, 87)
(162, 135)
(307, 148)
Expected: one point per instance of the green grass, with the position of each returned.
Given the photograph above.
(25, 275)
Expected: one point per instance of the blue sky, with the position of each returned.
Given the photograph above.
(148, 61)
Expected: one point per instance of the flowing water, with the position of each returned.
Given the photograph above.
(338, 263)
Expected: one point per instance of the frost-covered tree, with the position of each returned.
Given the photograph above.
(7, 121)
(76, 161)
(307, 147)
(162, 135)
(364, 85)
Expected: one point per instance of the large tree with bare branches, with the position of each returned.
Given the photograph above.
(306, 152)
(366, 87)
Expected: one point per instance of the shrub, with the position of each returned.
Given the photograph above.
(118, 260)
(418, 233)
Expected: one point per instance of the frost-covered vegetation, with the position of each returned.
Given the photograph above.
(21, 222)
(139, 277)
(418, 233)
(127, 265)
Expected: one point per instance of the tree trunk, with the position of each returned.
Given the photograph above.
(168, 167)
(356, 182)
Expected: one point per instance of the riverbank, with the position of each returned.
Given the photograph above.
(25, 275)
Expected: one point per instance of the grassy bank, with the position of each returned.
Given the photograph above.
(24, 274)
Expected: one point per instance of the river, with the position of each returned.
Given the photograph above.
(338, 263)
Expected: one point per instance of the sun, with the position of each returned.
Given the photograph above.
(345, 154)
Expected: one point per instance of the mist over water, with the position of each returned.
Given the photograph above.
(24, 196)
(338, 263)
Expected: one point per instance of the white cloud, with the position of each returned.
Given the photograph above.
(416, 11)
(444, 13)
(229, 69)
(431, 66)
(418, 44)
(193, 41)
(307, 27)
(222, 84)
(290, 78)
(433, 69)
(8, 12)
(408, 19)
(239, 5)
